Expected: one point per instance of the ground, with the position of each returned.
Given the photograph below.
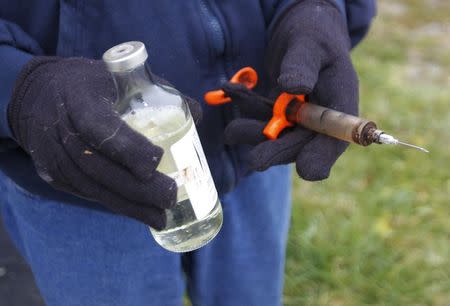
(377, 232)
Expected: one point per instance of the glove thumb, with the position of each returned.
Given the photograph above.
(299, 69)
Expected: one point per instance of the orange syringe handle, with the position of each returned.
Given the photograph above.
(279, 119)
(246, 76)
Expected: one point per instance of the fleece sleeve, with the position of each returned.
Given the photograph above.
(16, 49)
(358, 15)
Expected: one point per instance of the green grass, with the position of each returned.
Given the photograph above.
(377, 232)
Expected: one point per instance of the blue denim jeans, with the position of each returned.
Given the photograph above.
(81, 256)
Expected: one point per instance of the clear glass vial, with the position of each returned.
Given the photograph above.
(161, 114)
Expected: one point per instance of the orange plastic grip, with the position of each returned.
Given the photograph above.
(247, 76)
(279, 121)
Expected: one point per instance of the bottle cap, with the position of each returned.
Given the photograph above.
(125, 56)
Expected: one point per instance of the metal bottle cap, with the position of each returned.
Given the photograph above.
(125, 56)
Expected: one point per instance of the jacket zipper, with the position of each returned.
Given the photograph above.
(217, 37)
(215, 30)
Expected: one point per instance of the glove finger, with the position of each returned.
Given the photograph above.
(316, 158)
(251, 105)
(195, 108)
(337, 87)
(89, 189)
(158, 190)
(244, 131)
(280, 151)
(299, 69)
(56, 181)
(105, 131)
(152, 216)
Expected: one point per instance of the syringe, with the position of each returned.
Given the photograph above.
(332, 123)
(289, 110)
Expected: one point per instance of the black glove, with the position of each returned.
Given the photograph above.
(61, 114)
(308, 53)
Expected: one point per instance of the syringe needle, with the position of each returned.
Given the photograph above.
(413, 146)
(388, 139)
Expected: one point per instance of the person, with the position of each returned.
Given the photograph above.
(80, 220)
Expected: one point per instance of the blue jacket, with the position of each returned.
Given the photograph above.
(195, 44)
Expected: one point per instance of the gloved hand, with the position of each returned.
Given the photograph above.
(61, 115)
(308, 53)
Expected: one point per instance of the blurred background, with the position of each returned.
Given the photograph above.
(378, 231)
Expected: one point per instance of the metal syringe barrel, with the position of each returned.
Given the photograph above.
(332, 123)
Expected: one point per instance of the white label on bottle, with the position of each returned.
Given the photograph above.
(192, 166)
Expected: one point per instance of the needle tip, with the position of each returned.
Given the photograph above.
(413, 146)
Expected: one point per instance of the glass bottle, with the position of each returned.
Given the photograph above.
(161, 114)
